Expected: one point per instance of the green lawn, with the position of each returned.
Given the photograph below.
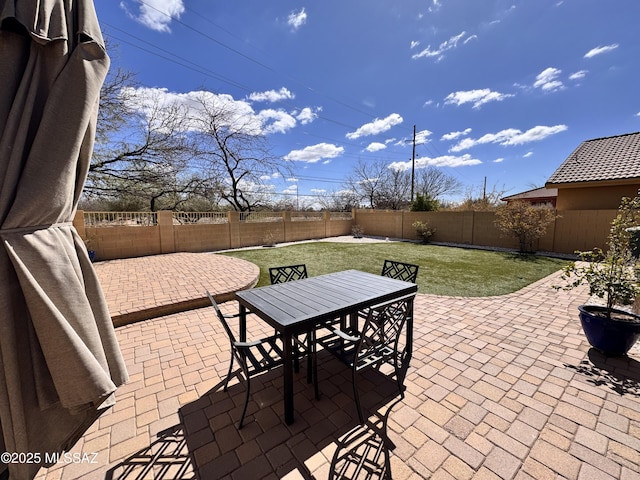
(443, 270)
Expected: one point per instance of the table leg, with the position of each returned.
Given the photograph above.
(288, 378)
(410, 330)
(242, 324)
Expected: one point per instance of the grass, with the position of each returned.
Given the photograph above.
(443, 270)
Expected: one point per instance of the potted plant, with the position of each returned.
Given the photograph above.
(88, 242)
(611, 277)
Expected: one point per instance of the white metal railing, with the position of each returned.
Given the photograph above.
(306, 216)
(200, 218)
(341, 215)
(261, 217)
(118, 219)
(135, 219)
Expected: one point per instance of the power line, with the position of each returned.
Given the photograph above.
(251, 59)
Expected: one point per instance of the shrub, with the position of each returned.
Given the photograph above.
(424, 203)
(424, 231)
(524, 222)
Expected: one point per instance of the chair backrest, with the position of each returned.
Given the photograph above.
(223, 320)
(400, 271)
(381, 332)
(287, 273)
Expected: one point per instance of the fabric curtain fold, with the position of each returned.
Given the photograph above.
(60, 362)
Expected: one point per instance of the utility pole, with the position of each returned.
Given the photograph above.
(484, 190)
(413, 163)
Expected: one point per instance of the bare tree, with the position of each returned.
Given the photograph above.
(367, 180)
(380, 186)
(435, 183)
(143, 157)
(396, 190)
(236, 154)
(337, 200)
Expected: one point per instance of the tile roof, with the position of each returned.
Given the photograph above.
(609, 158)
(536, 193)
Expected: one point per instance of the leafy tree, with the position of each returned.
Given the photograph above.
(525, 222)
(424, 203)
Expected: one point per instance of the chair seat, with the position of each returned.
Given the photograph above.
(376, 344)
(262, 355)
(346, 351)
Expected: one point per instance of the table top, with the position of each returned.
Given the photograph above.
(294, 306)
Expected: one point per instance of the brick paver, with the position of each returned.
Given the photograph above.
(498, 388)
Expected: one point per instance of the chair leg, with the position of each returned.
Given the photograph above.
(356, 397)
(226, 381)
(398, 380)
(246, 397)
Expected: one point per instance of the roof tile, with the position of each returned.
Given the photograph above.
(609, 158)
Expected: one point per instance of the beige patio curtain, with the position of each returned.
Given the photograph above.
(59, 359)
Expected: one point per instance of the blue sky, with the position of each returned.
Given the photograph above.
(502, 90)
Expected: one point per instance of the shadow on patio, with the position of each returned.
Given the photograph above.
(498, 388)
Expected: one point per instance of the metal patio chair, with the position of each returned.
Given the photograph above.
(287, 273)
(375, 345)
(407, 272)
(254, 357)
(307, 344)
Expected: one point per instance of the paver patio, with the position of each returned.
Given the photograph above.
(498, 388)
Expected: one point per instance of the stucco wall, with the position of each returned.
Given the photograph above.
(573, 230)
(594, 198)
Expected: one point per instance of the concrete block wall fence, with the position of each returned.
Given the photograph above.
(573, 230)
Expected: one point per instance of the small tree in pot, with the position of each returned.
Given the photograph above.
(612, 277)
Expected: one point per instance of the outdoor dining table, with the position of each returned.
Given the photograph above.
(299, 306)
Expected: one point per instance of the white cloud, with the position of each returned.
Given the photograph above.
(498, 160)
(290, 190)
(455, 135)
(318, 190)
(375, 146)
(276, 121)
(527, 155)
(477, 97)
(273, 176)
(599, 50)
(315, 153)
(638, 114)
(271, 95)
(547, 80)
(442, 161)
(468, 39)
(578, 75)
(297, 19)
(442, 48)
(422, 137)
(307, 115)
(510, 136)
(379, 125)
(414, 44)
(238, 114)
(155, 14)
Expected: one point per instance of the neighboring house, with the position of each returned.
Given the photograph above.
(541, 197)
(598, 174)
